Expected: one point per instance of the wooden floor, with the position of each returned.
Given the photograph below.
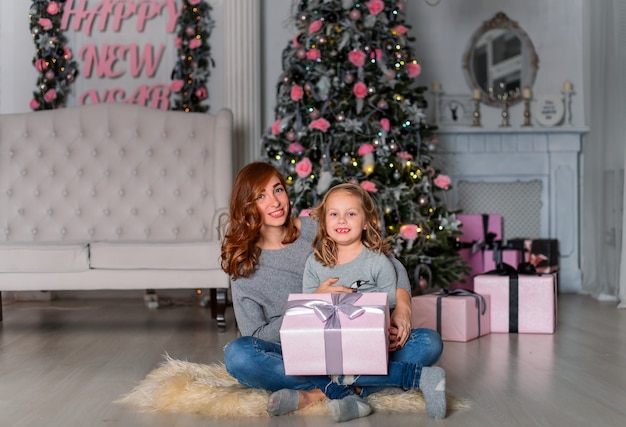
(62, 363)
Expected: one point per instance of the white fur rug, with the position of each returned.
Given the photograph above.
(208, 390)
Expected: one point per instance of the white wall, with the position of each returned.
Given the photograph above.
(442, 34)
(554, 27)
(17, 74)
(277, 31)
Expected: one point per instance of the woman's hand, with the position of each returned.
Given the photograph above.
(328, 288)
(400, 321)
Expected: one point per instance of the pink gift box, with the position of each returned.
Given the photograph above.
(475, 229)
(474, 226)
(352, 346)
(476, 260)
(461, 316)
(536, 302)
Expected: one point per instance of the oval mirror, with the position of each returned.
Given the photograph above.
(500, 58)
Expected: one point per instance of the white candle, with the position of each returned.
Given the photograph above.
(567, 86)
(526, 93)
(476, 94)
(436, 86)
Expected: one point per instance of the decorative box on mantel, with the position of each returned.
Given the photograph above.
(484, 161)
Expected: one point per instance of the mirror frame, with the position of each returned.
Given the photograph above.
(501, 21)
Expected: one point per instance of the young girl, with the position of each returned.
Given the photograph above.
(264, 251)
(348, 245)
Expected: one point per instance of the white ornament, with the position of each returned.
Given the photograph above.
(324, 182)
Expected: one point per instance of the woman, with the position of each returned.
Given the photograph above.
(265, 251)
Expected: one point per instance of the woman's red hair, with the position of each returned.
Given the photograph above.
(240, 253)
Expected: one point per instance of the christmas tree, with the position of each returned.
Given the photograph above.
(191, 72)
(349, 108)
(53, 58)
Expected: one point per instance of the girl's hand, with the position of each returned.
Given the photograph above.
(328, 288)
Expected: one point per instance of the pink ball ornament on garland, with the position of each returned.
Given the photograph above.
(314, 114)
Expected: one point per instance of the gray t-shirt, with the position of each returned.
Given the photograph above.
(258, 300)
(368, 272)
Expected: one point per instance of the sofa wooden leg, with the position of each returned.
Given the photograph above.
(219, 301)
(0, 306)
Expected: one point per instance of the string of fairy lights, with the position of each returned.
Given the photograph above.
(191, 71)
(53, 61)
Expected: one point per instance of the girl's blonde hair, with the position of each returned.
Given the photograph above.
(325, 248)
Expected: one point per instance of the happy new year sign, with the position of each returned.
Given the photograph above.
(126, 42)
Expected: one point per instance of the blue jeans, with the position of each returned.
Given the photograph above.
(259, 364)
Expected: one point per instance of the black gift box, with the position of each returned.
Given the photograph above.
(543, 254)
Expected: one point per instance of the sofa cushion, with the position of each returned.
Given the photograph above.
(43, 257)
(194, 255)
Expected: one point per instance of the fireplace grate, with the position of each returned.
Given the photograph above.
(518, 202)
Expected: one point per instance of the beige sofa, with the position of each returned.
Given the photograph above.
(114, 196)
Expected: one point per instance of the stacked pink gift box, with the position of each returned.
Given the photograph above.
(517, 296)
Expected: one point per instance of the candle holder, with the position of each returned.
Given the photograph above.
(527, 112)
(476, 113)
(567, 101)
(505, 112)
(503, 96)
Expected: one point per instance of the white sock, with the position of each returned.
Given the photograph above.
(349, 408)
(433, 387)
(283, 401)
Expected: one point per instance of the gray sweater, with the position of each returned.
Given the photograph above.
(258, 300)
(368, 272)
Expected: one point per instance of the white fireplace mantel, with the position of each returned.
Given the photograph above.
(504, 155)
